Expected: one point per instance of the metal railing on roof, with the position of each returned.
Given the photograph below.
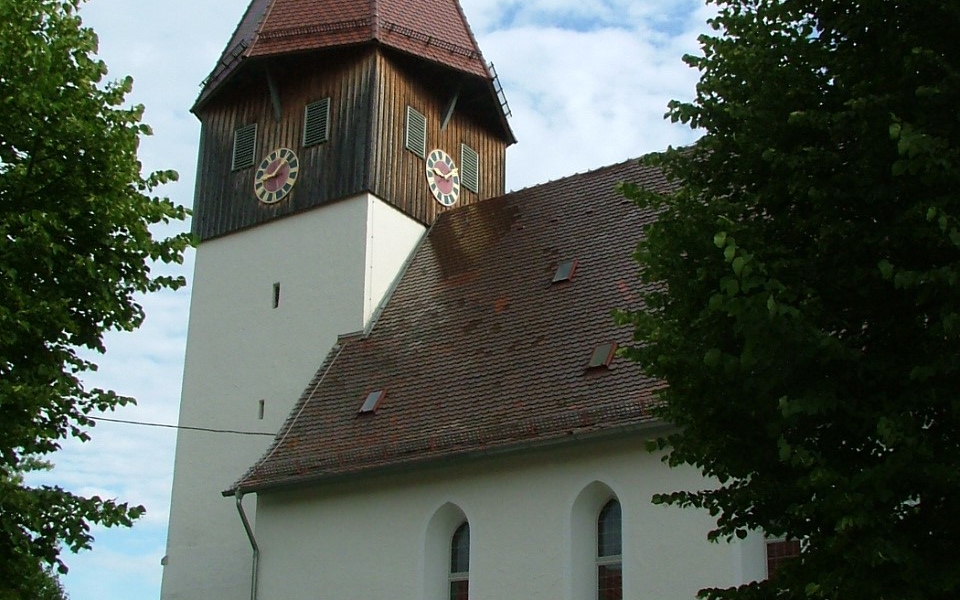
(498, 88)
(228, 59)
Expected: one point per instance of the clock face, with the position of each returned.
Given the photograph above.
(276, 175)
(443, 177)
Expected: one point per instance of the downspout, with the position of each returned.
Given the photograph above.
(253, 543)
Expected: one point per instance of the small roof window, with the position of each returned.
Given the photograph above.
(372, 401)
(603, 355)
(565, 271)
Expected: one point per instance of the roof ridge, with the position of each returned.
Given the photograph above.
(578, 174)
(229, 55)
(536, 187)
(263, 19)
(375, 16)
(473, 38)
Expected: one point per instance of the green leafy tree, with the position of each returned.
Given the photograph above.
(806, 301)
(75, 251)
(29, 576)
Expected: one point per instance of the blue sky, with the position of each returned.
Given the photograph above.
(588, 82)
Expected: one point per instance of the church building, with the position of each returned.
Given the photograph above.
(433, 360)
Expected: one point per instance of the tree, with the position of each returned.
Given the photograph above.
(805, 309)
(27, 575)
(75, 251)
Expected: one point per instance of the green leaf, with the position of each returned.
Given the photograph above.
(886, 269)
(738, 263)
(712, 357)
(730, 251)
(813, 380)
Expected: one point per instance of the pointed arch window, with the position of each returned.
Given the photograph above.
(609, 552)
(460, 563)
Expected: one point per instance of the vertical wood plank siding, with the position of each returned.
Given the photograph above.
(398, 174)
(369, 94)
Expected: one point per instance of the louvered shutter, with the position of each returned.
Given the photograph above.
(244, 146)
(416, 135)
(316, 122)
(469, 168)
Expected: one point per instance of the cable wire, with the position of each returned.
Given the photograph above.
(187, 427)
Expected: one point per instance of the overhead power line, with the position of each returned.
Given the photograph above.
(187, 427)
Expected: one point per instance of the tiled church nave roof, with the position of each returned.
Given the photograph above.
(477, 349)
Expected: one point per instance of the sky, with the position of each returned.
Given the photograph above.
(587, 81)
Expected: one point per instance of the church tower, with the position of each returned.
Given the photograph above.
(333, 134)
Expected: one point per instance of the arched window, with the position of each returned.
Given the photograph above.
(460, 563)
(609, 553)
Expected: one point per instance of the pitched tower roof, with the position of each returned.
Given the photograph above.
(435, 30)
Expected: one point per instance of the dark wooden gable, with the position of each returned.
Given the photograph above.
(339, 168)
(398, 174)
(277, 64)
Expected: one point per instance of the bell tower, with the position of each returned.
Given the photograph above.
(333, 132)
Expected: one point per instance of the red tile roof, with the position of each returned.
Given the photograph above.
(436, 30)
(477, 349)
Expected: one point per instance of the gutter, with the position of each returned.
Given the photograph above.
(253, 543)
(651, 427)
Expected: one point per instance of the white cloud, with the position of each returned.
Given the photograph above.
(583, 99)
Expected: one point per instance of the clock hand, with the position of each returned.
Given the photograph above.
(446, 175)
(275, 172)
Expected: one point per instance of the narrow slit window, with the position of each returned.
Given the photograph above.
(260, 409)
(469, 168)
(372, 401)
(276, 295)
(244, 146)
(316, 122)
(603, 355)
(416, 133)
(565, 271)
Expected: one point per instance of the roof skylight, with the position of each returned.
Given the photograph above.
(565, 271)
(372, 401)
(603, 355)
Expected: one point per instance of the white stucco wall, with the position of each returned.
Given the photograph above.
(387, 537)
(389, 236)
(333, 265)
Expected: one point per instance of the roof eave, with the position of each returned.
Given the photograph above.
(651, 426)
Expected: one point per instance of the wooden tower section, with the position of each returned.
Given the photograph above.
(362, 91)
